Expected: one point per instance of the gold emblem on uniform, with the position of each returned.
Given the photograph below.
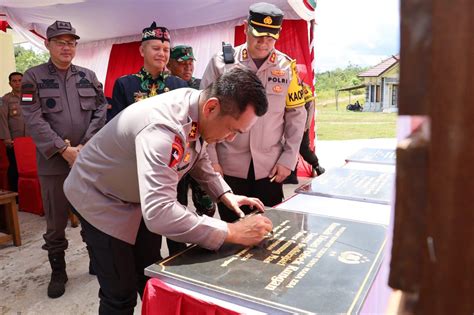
(277, 89)
(186, 157)
(153, 90)
(268, 20)
(278, 72)
(193, 131)
(273, 57)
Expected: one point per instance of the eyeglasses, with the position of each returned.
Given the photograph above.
(63, 43)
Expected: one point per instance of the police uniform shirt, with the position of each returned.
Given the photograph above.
(131, 169)
(56, 109)
(139, 86)
(276, 136)
(12, 124)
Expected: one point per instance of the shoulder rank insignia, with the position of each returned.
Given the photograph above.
(273, 57)
(295, 97)
(193, 132)
(176, 152)
(245, 54)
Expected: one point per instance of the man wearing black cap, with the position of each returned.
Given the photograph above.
(63, 106)
(152, 79)
(257, 162)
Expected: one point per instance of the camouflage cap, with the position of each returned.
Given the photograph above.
(182, 53)
(60, 28)
(265, 19)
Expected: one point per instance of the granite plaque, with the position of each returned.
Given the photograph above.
(373, 156)
(311, 264)
(352, 184)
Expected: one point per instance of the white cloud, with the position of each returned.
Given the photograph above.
(359, 32)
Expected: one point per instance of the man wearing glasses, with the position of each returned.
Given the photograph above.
(63, 106)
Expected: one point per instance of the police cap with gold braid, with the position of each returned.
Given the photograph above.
(265, 19)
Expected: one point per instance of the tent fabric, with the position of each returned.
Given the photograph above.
(104, 19)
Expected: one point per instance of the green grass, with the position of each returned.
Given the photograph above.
(332, 124)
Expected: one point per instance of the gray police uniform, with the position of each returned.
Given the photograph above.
(131, 168)
(276, 136)
(12, 124)
(59, 106)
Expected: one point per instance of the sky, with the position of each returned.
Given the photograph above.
(357, 32)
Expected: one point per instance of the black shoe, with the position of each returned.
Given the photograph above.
(291, 179)
(318, 170)
(57, 284)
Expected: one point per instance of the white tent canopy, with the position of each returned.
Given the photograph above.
(202, 24)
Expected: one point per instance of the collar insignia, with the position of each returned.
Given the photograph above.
(273, 57)
(194, 130)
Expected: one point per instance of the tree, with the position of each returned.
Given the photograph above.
(27, 58)
(327, 82)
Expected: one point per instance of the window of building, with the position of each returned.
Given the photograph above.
(394, 95)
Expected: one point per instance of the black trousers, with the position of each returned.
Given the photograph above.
(270, 193)
(120, 266)
(12, 169)
(306, 152)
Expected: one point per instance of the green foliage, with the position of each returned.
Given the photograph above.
(27, 58)
(329, 81)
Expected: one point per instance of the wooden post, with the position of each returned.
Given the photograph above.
(436, 80)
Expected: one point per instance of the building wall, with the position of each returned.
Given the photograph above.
(380, 89)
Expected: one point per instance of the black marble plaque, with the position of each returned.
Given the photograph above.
(311, 264)
(352, 184)
(373, 156)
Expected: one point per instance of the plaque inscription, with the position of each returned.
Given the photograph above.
(310, 264)
(352, 184)
(374, 156)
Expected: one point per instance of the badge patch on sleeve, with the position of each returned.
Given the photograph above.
(295, 97)
(176, 152)
(27, 94)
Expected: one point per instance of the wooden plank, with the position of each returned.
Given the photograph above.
(415, 57)
(448, 277)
